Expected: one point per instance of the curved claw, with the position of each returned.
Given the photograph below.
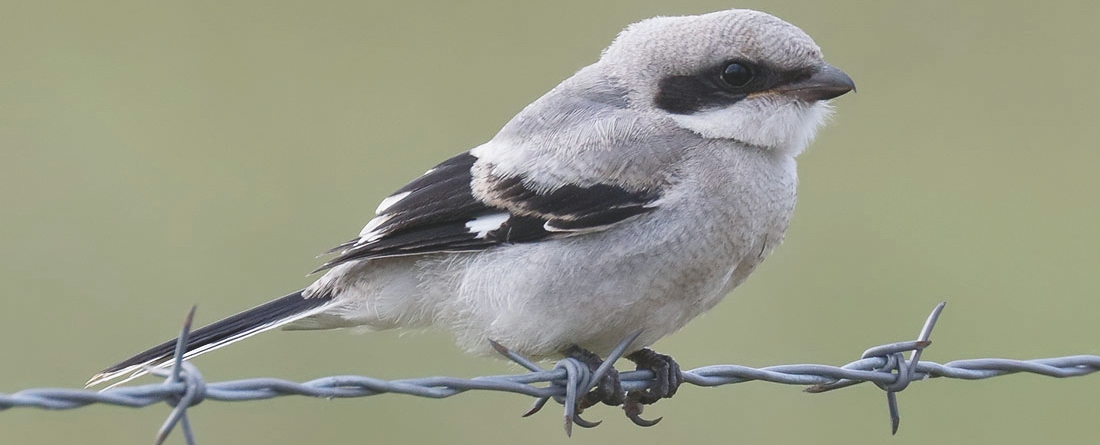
(638, 420)
(633, 410)
(586, 424)
(643, 422)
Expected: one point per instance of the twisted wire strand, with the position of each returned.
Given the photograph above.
(885, 366)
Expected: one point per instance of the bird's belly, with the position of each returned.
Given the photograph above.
(538, 299)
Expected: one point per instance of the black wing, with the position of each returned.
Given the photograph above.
(438, 212)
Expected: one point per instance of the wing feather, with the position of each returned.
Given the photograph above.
(439, 212)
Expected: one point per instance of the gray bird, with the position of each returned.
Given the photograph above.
(633, 196)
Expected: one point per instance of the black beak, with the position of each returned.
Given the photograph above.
(826, 83)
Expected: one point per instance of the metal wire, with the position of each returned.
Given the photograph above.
(568, 381)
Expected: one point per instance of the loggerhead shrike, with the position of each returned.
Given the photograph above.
(633, 196)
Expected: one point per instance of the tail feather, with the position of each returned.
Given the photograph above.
(231, 329)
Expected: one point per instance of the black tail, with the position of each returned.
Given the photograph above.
(261, 318)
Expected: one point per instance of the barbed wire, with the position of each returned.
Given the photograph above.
(568, 381)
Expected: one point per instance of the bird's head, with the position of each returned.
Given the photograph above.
(738, 74)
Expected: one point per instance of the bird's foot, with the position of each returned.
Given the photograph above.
(608, 390)
(668, 376)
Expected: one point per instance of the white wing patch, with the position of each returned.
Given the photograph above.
(390, 201)
(549, 227)
(482, 225)
(368, 234)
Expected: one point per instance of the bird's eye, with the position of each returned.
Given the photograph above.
(737, 74)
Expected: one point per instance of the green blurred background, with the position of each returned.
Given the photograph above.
(159, 154)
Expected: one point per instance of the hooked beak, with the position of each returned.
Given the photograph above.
(826, 83)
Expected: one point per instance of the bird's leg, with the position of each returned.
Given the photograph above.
(669, 378)
(609, 390)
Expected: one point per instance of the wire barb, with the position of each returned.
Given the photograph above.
(903, 371)
(194, 386)
(885, 366)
